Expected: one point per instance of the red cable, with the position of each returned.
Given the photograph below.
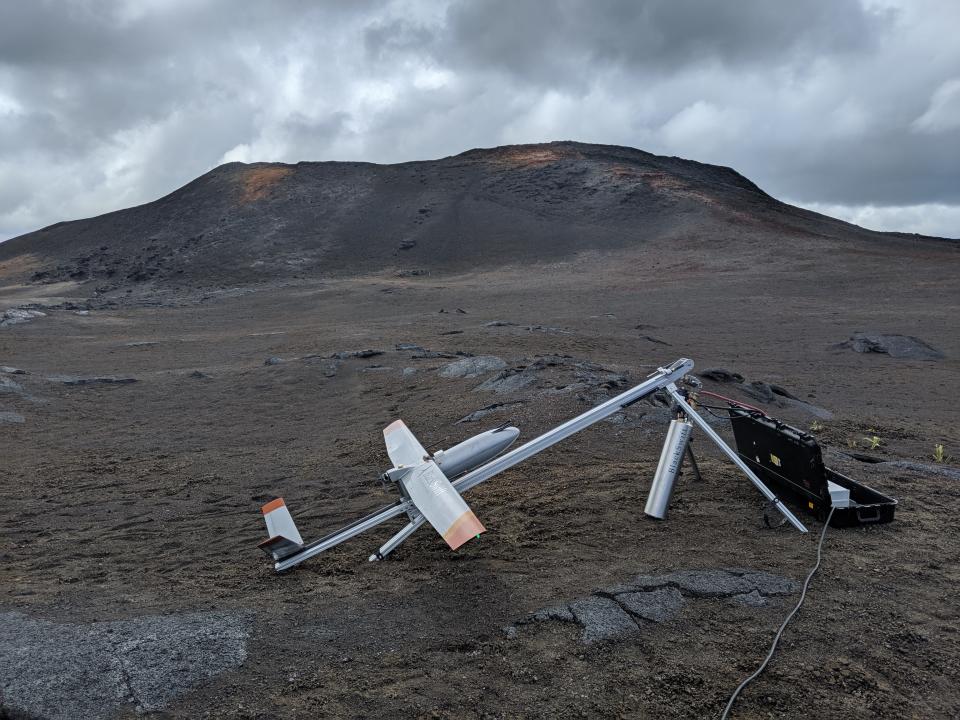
(732, 401)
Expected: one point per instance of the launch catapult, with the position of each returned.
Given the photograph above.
(430, 486)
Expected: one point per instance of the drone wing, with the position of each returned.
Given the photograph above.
(402, 446)
(441, 504)
(429, 488)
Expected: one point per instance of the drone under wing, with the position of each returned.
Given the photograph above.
(402, 446)
(441, 504)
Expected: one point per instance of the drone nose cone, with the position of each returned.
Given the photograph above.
(475, 451)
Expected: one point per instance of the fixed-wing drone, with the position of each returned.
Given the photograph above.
(427, 493)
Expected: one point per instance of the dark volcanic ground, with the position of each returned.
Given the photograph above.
(130, 510)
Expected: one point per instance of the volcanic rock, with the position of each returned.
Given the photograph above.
(17, 316)
(897, 346)
(750, 599)
(348, 354)
(472, 366)
(759, 391)
(507, 381)
(62, 671)
(653, 605)
(721, 375)
(484, 411)
(9, 387)
(620, 611)
(97, 380)
(602, 619)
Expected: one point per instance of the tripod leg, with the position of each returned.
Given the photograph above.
(724, 448)
(693, 463)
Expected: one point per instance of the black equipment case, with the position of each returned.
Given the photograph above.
(789, 462)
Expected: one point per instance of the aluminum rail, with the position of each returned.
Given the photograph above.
(660, 379)
(718, 441)
(352, 530)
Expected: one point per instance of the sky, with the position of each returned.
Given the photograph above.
(847, 107)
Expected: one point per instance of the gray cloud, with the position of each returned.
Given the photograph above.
(527, 39)
(847, 106)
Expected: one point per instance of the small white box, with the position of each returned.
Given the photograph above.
(839, 496)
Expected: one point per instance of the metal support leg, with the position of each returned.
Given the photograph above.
(352, 530)
(725, 449)
(395, 542)
(693, 463)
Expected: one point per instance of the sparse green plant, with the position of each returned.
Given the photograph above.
(816, 426)
(873, 442)
(938, 453)
(851, 442)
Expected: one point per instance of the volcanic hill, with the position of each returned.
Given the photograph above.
(481, 209)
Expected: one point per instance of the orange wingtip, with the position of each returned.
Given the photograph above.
(464, 527)
(395, 425)
(272, 505)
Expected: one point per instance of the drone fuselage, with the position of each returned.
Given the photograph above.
(475, 451)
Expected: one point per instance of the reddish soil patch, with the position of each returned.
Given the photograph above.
(257, 182)
(527, 156)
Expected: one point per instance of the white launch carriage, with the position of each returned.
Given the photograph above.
(427, 493)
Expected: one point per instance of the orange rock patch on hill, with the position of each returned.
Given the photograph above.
(530, 156)
(257, 182)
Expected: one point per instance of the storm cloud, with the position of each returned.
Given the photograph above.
(850, 107)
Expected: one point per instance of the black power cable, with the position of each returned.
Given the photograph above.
(776, 638)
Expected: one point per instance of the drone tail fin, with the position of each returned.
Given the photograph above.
(284, 539)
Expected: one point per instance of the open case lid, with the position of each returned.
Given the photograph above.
(780, 452)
